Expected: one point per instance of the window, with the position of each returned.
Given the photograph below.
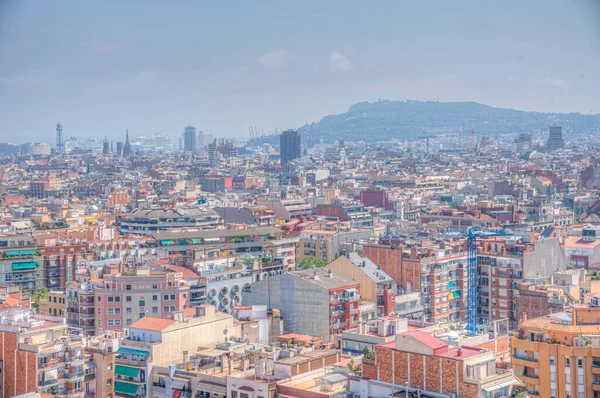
(172, 309)
(567, 362)
(173, 297)
(109, 311)
(580, 363)
(243, 395)
(128, 311)
(154, 286)
(117, 299)
(154, 310)
(184, 295)
(155, 298)
(142, 303)
(142, 315)
(127, 287)
(234, 394)
(110, 299)
(166, 297)
(551, 360)
(128, 299)
(128, 322)
(111, 322)
(99, 323)
(109, 366)
(117, 322)
(166, 309)
(100, 310)
(109, 382)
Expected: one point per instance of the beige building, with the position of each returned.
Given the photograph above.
(159, 341)
(55, 304)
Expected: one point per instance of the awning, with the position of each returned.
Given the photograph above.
(167, 242)
(125, 388)
(51, 374)
(126, 371)
(457, 294)
(196, 241)
(501, 385)
(451, 284)
(13, 253)
(28, 252)
(212, 240)
(451, 296)
(178, 384)
(132, 351)
(25, 265)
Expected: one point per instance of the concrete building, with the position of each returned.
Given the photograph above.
(290, 146)
(555, 139)
(148, 221)
(318, 302)
(288, 209)
(55, 304)
(189, 139)
(558, 355)
(260, 216)
(158, 341)
(21, 263)
(375, 285)
(327, 244)
(38, 354)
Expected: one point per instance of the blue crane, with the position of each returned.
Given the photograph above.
(472, 234)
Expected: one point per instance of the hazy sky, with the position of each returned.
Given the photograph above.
(154, 66)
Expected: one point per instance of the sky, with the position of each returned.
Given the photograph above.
(100, 67)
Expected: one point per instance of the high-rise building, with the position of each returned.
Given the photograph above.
(290, 146)
(120, 149)
(189, 139)
(127, 147)
(200, 140)
(555, 139)
(105, 147)
(60, 142)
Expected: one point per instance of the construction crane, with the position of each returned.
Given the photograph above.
(472, 234)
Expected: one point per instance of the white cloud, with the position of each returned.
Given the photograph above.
(339, 62)
(560, 83)
(274, 59)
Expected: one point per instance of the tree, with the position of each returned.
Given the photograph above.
(353, 368)
(368, 354)
(311, 262)
(40, 294)
(455, 203)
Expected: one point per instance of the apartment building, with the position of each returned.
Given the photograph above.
(355, 213)
(124, 298)
(419, 363)
(375, 285)
(21, 263)
(146, 221)
(162, 342)
(39, 354)
(288, 209)
(502, 265)
(334, 303)
(81, 306)
(327, 244)
(60, 263)
(100, 353)
(558, 355)
(55, 304)
(436, 270)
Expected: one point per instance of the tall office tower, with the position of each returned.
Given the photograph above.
(189, 139)
(105, 147)
(555, 139)
(290, 146)
(200, 140)
(60, 142)
(120, 149)
(127, 147)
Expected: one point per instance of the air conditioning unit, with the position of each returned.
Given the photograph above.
(595, 301)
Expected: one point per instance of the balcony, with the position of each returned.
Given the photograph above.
(530, 378)
(74, 359)
(74, 376)
(48, 383)
(596, 386)
(529, 360)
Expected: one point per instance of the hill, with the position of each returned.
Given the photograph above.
(408, 120)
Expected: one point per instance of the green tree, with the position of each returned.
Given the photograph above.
(353, 368)
(37, 296)
(311, 262)
(368, 354)
(455, 204)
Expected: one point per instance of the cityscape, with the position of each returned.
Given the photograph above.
(393, 248)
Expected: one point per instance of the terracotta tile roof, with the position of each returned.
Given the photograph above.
(187, 273)
(152, 323)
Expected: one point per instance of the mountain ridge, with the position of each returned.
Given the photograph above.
(408, 120)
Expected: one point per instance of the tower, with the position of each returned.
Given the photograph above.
(290, 146)
(189, 139)
(555, 139)
(127, 146)
(105, 147)
(60, 143)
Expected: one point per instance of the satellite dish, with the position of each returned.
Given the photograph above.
(225, 332)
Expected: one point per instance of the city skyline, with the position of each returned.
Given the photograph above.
(140, 76)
